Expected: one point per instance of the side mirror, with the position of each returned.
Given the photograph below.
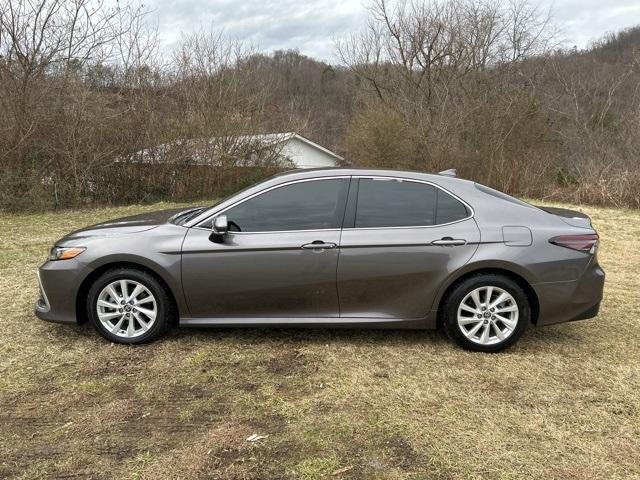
(219, 229)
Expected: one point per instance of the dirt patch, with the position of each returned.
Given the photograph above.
(404, 456)
(222, 453)
(288, 363)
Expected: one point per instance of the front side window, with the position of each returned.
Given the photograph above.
(299, 206)
(402, 203)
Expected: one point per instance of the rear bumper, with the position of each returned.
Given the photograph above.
(572, 300)
(589, 313)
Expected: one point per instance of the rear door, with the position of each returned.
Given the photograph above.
(280, 260)
(400, 241)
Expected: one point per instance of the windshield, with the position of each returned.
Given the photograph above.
(190, 214)
(183, 217)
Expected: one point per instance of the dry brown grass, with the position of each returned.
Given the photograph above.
(564, 403)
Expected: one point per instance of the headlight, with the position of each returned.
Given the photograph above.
(65, 253)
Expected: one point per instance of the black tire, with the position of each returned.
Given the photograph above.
(462, 289)
(164, 304)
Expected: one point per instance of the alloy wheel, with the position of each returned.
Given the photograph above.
(488, 315)
(126, 308)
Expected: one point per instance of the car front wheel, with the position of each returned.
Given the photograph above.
(129, 306)
(486, 313)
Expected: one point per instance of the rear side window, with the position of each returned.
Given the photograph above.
(399, 203)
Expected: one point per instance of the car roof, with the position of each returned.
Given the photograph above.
(451, 184)
(483, 205)
(356, 171)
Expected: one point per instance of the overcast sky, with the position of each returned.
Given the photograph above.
(311, 25)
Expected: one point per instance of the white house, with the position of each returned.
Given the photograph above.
(301, 151)
(291, 149)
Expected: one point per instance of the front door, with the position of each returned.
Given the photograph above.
(402, 239)
(279, 260)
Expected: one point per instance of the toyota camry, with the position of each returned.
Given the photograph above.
(333, 248)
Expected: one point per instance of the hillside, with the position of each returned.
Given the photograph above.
(420, 91)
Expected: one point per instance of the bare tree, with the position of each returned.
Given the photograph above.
(53, 38)
(444, 68)
(82, 85)
(47, 47)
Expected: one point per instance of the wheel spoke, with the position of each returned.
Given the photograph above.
(112, 292)
(148, 312)
(510, 324)
(116, 327)
(484, 338)
(143, 324)
(131, 328)
(468, 320)
(488, 296)
(108, 315)
(501, 298)
(510, 308)
(467, 308)
(498, 331)
(476, 299)
(473, 331)
(144, 300)
(123, 289)
(104, 303)
(136, 291)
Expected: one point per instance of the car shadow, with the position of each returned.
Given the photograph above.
(315, 335)
(554, 337)
(534, 338)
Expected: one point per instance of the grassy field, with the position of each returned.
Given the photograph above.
(564, 403)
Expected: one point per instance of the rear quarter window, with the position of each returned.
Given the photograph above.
(502, 196)
(449, 209)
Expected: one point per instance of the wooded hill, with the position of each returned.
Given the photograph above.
(428, 86)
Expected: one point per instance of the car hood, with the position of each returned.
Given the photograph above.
(125, 225)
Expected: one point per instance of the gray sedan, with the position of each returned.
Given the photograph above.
(333, 248)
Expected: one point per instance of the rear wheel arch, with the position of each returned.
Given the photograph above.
(85, 286)
(519, 279)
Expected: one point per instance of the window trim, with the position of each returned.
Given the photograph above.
(347, 205)
(274, 187)
(404, 179)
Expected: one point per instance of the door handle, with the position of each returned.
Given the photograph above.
(318, 245)
(449, 242)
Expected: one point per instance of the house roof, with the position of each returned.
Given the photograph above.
(287, 136)
(264, 138)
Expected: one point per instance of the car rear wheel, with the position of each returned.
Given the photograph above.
(486, 313)
(129, 306)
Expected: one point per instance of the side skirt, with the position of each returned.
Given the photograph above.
(310, 322)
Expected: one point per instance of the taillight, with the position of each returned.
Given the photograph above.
(582, 243)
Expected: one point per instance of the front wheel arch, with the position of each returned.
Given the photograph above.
(522, 283)
(81, 296)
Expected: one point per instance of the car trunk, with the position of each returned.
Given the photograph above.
(571, 217)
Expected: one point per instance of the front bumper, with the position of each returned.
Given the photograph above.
(571, 300)
(58, 282)
(42, 304)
